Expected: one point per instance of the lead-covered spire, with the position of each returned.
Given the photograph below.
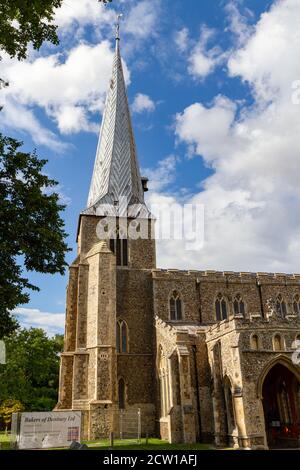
(116, 179)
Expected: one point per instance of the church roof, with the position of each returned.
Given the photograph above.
(116, 186)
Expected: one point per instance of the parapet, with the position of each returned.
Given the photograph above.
(227, 276)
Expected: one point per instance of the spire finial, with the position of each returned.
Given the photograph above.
(119, 16)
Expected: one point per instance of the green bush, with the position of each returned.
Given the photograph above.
(7, 408)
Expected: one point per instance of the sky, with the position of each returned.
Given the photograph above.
(213, 87)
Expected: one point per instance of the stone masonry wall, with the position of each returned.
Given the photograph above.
(99, 293)
(137, 366)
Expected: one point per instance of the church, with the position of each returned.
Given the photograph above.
(203, 356)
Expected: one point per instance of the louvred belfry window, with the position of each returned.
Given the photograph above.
(119, 246)
(122, 337)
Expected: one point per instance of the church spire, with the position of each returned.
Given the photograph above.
(116, 182)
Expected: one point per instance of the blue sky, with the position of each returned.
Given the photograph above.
(210, 88)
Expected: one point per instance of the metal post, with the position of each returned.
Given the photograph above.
(121, 424)
(139, 425)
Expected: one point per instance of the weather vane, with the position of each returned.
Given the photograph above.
(119, 16)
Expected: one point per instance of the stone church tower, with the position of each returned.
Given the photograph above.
(109, 342)
(204, 355)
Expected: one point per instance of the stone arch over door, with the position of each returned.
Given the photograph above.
(279, 390)
(280, 359)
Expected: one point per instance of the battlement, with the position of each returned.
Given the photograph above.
(228, 276)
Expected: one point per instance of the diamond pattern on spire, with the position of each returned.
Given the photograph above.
(116, 179)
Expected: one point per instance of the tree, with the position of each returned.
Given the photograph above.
(23, 22)
(31, 229)
(26, 21)
(31, 372)
(7, 408)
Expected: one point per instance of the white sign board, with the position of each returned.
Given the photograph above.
(42, 430)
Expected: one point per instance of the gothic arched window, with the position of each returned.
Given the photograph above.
(175, 306)
(280, 306)
(121, 394)
(296, 304)
(122, 336)
(239, 305)
(119, 246)
(221, 308)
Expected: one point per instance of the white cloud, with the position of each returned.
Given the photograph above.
(203, 60)
(238, 22)
(252, 199)
(69, 89)
(142, 19)
(17, 116)
(52, 323)
(209, 139)
(71, 119)
(142, 103)
(200, 64)
(83, 13)
(268, 60)
(164, 173)
(181, 39)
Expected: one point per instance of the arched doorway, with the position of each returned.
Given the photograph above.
(281, 402)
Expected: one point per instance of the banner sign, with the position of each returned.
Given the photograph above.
(42, 430)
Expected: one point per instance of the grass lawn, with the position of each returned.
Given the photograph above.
(4, 441)
(126, 444)
(153, 444)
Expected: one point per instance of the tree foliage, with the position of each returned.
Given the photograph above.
(31, 229)
(31, 372)
(7, 408)
(26, 21)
